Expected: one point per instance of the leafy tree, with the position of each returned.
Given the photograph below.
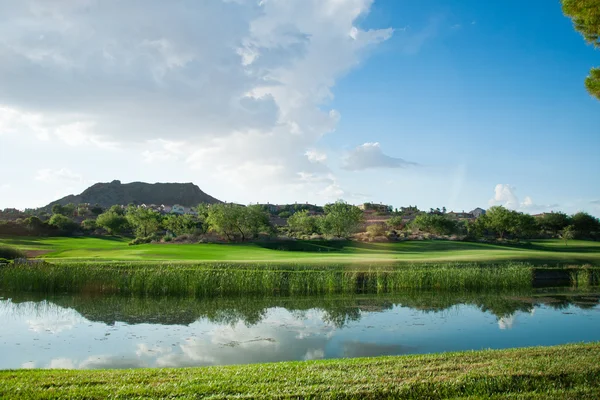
(395, 222)
(341, 219)
(33, 224)
(114, 222)
(500, 220)
(585, 224)
(66, 210)
(143, 221)
(435, 223)
(554, 222)
(62, 223)
(89, 224)
(232, 220)
(302, 223)
(58, 209)
(96, 210)
(586, 18)
(568, 234)
(117, 210)
(524, 226)
(182, 224)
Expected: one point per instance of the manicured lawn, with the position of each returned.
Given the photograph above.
(562, 372)
(117, 249)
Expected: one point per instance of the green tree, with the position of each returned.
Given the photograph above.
(89, 224)
(182, 224)
(96, 210)
(478, 228)
(500, 220)
(436, 223)
(586, 18)
(114, 222)
(57, 209)
(144, 221)
(33, 224)
(554, 222)
(62, 223)
(232, 220)
(568, 233)
(302, 223)
(524, 225)
(585, 225)
(395, 222)
(341, 219)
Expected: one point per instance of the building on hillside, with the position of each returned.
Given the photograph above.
(372, 207)
(478, 212)
(177, 209)
(460, 215)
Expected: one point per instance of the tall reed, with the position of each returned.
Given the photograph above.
(231, 279)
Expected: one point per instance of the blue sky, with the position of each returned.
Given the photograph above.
(439, 103)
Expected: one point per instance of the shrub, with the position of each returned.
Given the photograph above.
(89, 224)
(62, 223)
(10, 253)
(376, 230)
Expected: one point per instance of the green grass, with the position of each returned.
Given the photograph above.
(198, 280)
(565, 372)
(116, 249)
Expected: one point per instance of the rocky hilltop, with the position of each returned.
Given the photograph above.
(115, 192)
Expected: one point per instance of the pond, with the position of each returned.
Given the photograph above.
(116, 332)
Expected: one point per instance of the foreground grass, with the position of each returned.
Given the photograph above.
(117, 249)
(566, 372)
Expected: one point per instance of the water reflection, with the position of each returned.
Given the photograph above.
(117, 332)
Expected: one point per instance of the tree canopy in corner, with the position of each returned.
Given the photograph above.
(586, 18)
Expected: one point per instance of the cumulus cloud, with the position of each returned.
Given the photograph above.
(370, 155)
(505, 196)
(239, 85)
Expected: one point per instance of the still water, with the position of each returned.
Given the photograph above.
(113, 332)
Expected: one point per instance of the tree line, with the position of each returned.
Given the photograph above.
(233, 222)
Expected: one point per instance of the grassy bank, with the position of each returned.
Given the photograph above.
(252, 279)
(566, 372)
(117, 249)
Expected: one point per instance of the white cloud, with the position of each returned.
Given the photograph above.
(244, 85)
(315, 156)
(370, 155)
(63, 175)
(505, 196)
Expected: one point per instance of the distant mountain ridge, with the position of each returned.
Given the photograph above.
(115, 192)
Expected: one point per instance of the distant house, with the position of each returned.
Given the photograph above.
(371, 207)
(460, 215)
(177, 209)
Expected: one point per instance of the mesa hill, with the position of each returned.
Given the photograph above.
(115, 192)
